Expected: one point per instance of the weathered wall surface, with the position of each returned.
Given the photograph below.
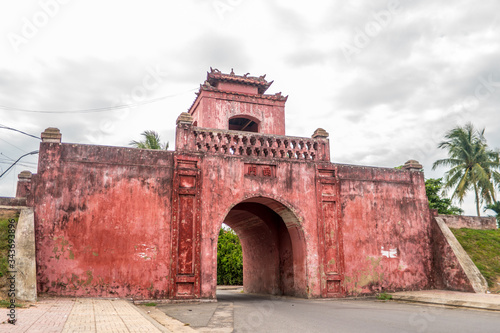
(289, 190)
(216, 108)
(25, 256)
(12, 202)
(136, 223)
(102, 221)
(386, 234)
(471, 222)
(452, 267)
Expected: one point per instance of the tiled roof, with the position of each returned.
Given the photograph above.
(275, 97)
(260, 82)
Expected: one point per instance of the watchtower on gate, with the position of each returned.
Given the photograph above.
(233, 102)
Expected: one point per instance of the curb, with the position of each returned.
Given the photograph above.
(448, 302)
(171, 324)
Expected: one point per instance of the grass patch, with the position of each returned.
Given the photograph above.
(384, 296)
(6, 303)
(150, 304)
(483, 247)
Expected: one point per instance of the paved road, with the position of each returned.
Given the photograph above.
(251, 313)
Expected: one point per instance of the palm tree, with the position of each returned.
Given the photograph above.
(473, 165)
(495, 206)
(151, 141)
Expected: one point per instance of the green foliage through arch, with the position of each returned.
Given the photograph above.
(229, 259)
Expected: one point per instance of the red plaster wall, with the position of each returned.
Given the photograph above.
(103, 221)
(384, 208)
(214, 109)
(104, 224)
(235, 87)
(227, 185)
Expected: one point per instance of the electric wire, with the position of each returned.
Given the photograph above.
(94, 110)
(16, 130)
(32, 153)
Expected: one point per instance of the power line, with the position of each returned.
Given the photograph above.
(9, 161)
(20, 164)
(16, 130)
(32, 153)
(103, 109)
(24, 151)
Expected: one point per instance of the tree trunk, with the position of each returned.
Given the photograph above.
(477, 200)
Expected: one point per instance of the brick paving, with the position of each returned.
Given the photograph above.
(48, 315)
(80, 315)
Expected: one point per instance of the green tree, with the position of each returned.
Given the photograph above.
(495, 206)
(433, 188)
(151, 141)
(473, 166)
(229, 259)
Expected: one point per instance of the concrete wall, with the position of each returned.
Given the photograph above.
(12, 202)
(25, 265)
(25, 256)
(471, 222)
(452, 267)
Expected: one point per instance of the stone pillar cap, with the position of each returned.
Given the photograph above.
(51, 134)
(412, 165)
(25, 175)
(320, 133)
(184, 118)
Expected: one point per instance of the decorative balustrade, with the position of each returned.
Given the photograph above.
(249, 144)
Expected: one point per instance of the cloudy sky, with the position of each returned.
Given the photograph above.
(386, 79)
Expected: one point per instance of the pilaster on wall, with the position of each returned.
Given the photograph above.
(330, 233)
(186, 228)
(50, 151)
(24, 184)
(183, 132)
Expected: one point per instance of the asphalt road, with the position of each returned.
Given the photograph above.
(255, 313)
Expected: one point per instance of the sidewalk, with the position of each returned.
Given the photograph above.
(451, 298)
(54, 315)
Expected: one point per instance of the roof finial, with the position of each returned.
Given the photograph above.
(232, 72)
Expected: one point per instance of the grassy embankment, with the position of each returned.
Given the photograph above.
(483, 246)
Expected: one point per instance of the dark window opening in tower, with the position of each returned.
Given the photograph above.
(243, 124)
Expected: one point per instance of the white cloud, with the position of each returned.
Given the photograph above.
(393, 101)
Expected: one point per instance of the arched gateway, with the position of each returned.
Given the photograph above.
(274, 247)
(126, 222)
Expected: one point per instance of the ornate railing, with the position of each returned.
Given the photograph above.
(249, 144)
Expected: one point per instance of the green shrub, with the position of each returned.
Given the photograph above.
(384, 296)
(229, 259)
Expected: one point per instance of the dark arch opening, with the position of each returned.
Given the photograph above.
(274, 259)
(240, 123)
